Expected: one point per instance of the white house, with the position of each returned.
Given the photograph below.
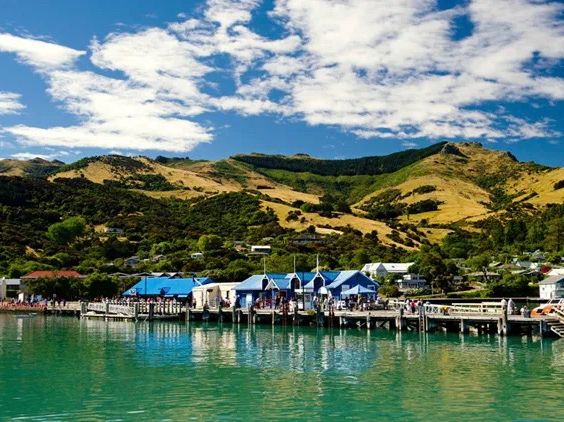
(552, 287)
(555, 271)
(382, 269)
(9, 288)
(260, 250)
(411, 282)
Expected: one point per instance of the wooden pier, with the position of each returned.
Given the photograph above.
(464, 319)
(481, 318)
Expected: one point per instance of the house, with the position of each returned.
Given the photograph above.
(10, 288)
(260, 250)
(552, 287)
(158, 258)
(411, 282)
(255, 287)
(52, 274)
(113, 230)
(197, 255)
(302, 286)
(382, 269)
(166, 287)
(132, 261)
(555, 271)
(305, 238)
(212, 293)
(334, 283)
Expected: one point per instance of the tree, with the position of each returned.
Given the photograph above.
(555, 235)
(208, 243)
(66, 231)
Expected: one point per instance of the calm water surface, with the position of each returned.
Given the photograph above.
(57, 368)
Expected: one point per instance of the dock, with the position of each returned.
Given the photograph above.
(481, 318)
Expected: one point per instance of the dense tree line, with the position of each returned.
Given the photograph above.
(349, 167)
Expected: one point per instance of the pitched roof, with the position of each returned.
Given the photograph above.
(391, 267)
(53, 274)
(163, 286)
(552, 280)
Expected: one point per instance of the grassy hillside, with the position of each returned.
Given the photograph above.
(437, 187)
(36, 167)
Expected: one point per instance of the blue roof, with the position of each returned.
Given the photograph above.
(254, 282)
(332, 279)
(164, 286)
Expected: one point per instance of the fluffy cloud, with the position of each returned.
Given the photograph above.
(375, 68)
(38, 53)
(10, 103)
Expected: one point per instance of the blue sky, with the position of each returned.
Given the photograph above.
(333, 78)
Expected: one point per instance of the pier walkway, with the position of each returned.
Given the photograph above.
(485, 317)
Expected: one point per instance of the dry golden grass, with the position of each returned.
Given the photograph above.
(96, 172)
(435, 235)
(359, 223)
(542, 183)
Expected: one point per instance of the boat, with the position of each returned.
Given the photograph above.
(547, 308)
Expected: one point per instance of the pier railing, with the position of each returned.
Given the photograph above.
(483, 308)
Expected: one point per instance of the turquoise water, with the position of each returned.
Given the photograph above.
(55, 368)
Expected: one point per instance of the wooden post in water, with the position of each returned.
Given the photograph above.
(401, 323)
(151, 311)
(463, 327)
(136, 311)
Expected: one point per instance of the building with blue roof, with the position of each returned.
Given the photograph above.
(166, 287)
(303, 286)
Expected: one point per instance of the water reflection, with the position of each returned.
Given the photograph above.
(70, 369)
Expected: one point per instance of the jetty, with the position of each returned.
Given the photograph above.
(481, 318)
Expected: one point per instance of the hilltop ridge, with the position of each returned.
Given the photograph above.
(444, 184)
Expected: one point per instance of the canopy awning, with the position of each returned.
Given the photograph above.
(358, 290)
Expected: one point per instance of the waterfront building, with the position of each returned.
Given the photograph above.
(52, 274)
(10, 288)
(411, 282)
(166, 287)
(382, 269)
(552, 287)
(302, 286)
(213, 294)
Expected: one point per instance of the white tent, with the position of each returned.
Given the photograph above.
(212, 293)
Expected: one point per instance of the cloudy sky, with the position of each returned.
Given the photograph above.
(333, 78)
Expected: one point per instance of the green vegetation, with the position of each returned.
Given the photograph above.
(123, 164)
(386, 205)
(350, 167)
(66, 231)
(149, 182)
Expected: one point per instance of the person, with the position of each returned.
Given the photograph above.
(511, 306)
(503, 304)
(522, 311)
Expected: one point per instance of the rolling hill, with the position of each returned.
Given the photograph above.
(408, 197)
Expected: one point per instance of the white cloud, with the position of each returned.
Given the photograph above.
(375, 68)
(10, 103)
(41, 54)
(30, 156)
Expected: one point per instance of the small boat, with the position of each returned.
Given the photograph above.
(547, 308)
